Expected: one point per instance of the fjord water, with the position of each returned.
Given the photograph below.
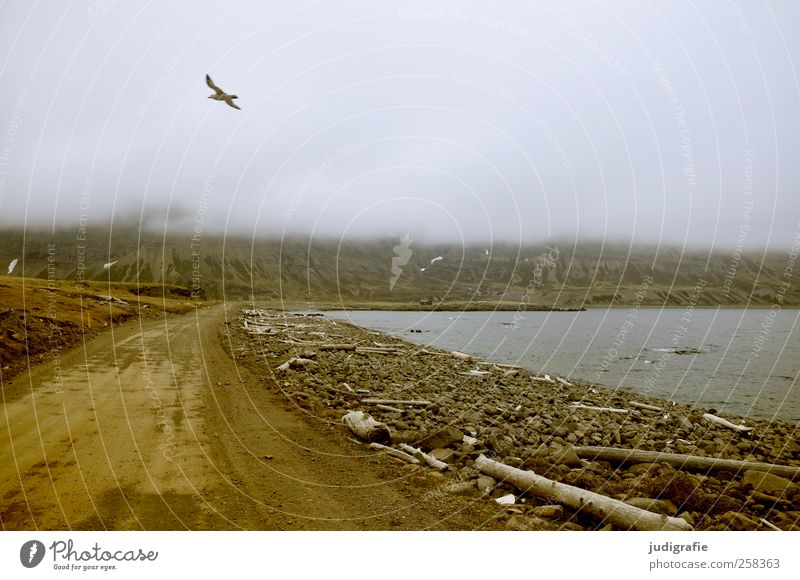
(742, 362)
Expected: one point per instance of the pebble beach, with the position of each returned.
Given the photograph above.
(455, 409)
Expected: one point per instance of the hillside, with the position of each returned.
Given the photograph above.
(40, 319)
(358, 273)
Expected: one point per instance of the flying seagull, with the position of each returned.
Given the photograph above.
(220, 95)
(12, 265)
(107, 266)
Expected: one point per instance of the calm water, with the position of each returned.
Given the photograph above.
(748, 365)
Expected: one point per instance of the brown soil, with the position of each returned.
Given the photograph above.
(153, 425)
(40, 319)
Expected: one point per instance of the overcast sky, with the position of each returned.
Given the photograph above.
(672, 122)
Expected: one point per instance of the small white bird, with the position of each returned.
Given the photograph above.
(220, 95)
(437, 259)
(12, 265)
(107, 266)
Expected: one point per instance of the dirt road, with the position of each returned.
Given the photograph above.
(153, 425)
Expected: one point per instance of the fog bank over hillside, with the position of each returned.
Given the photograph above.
(402, 270)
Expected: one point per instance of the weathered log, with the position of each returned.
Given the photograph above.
(620, 514)
(682, 461)
(366, 428)
(394, 402)
(337, 347)
(644, 406)
(501, 365)
(375, 350)
(769, 525)
(564, 382)
(462, 356)
(606, 409)
(725, 423)
(390, 409)
(422, 456)
(294, 363)
(475, 373)
(424, 351)
(395, 453)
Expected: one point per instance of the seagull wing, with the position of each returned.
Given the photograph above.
(232, 104)
(211, 84)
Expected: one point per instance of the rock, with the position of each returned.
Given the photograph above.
(444, 438)
(641, 468)
(434, 476)
(486, 483)
(768, 483)
(548, 511)
(571, 527)
(686, 517)
(446, 455)
(461, 488)
(525, 523)
(561, 432)
(767, 499)
(738, 521)
(658, 506)
(566, 456)
(400, 436)
(507, 499)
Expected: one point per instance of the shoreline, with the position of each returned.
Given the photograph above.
(316, 306)
(529, 422)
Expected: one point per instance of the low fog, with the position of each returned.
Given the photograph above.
(653, 123)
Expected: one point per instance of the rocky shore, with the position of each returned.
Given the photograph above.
(462, 408)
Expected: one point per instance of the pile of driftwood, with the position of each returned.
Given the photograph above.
(609, 510)
(376, 434)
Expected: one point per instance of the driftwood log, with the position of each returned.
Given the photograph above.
(644, 406)
(394, 402)
(681, 461)
(725, 423)
(501, 365)
(424, 351)
(605, 409)
(366, 428)
(620, 514)
(294, 363)
(376, 350)
(389, 409)
(337, 347)
(422, 456)
(394, 453)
